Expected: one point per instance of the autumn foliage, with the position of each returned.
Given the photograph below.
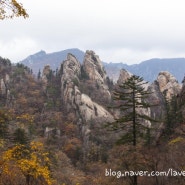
(26, 164)
(11, 8)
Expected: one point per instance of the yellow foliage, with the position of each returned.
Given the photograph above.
(32, 161)
(1, 143)
(176, 140)
(24, 120)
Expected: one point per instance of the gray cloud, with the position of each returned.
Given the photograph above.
(122, 30)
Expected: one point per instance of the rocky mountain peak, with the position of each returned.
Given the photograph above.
(93, 66)
(36, 56)
(124, 75)
(71, 66)
(76, 101)
(168, 84)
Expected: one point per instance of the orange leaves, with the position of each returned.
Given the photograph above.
(69, 129)
(72, 147)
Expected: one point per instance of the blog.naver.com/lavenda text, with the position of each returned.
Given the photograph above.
(118, 174)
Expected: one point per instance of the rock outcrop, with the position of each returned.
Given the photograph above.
(2, 87)
(45, 73)
(70, 78)
(4, 83)
(93, 68)
(76, 77)
(124, 75)
(5, 89)
(85, 109)
(158, 110)
(165, 87)
(168, 84)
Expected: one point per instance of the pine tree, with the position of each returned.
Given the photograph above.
(131, 98)
(20, 137)
(173, 114)
(39, 75)
(4, 121)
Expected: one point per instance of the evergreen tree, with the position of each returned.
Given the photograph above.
(39, 75)
(4, 121)
(131, 98)
(173, 114)
(20, 137)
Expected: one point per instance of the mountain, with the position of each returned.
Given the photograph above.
(59, 121)
(39, 60)
(148, 69)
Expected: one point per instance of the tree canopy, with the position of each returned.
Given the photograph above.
(131, 100)
(11, 8)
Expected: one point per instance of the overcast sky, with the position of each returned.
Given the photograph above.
(127, 31)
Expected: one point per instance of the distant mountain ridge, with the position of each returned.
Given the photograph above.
(148, 69)
(39, 60)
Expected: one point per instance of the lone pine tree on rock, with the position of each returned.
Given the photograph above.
(131, 98)
(133, 122)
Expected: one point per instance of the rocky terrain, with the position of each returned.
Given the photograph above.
(85, 91)
(87, 107)
(67, 111)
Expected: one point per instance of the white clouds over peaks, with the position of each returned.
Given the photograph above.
(121, 30)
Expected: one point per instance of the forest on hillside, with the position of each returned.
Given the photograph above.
(41, 142)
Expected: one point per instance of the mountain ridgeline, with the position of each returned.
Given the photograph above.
(67, 111)
(147, 69)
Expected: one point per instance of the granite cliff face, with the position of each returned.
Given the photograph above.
(4, 88)
(165, 87)
(168, 85)
(45, 73)
(85, 109)
(94, 70)
(124, 75)
(84, 87)
(70, 74)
